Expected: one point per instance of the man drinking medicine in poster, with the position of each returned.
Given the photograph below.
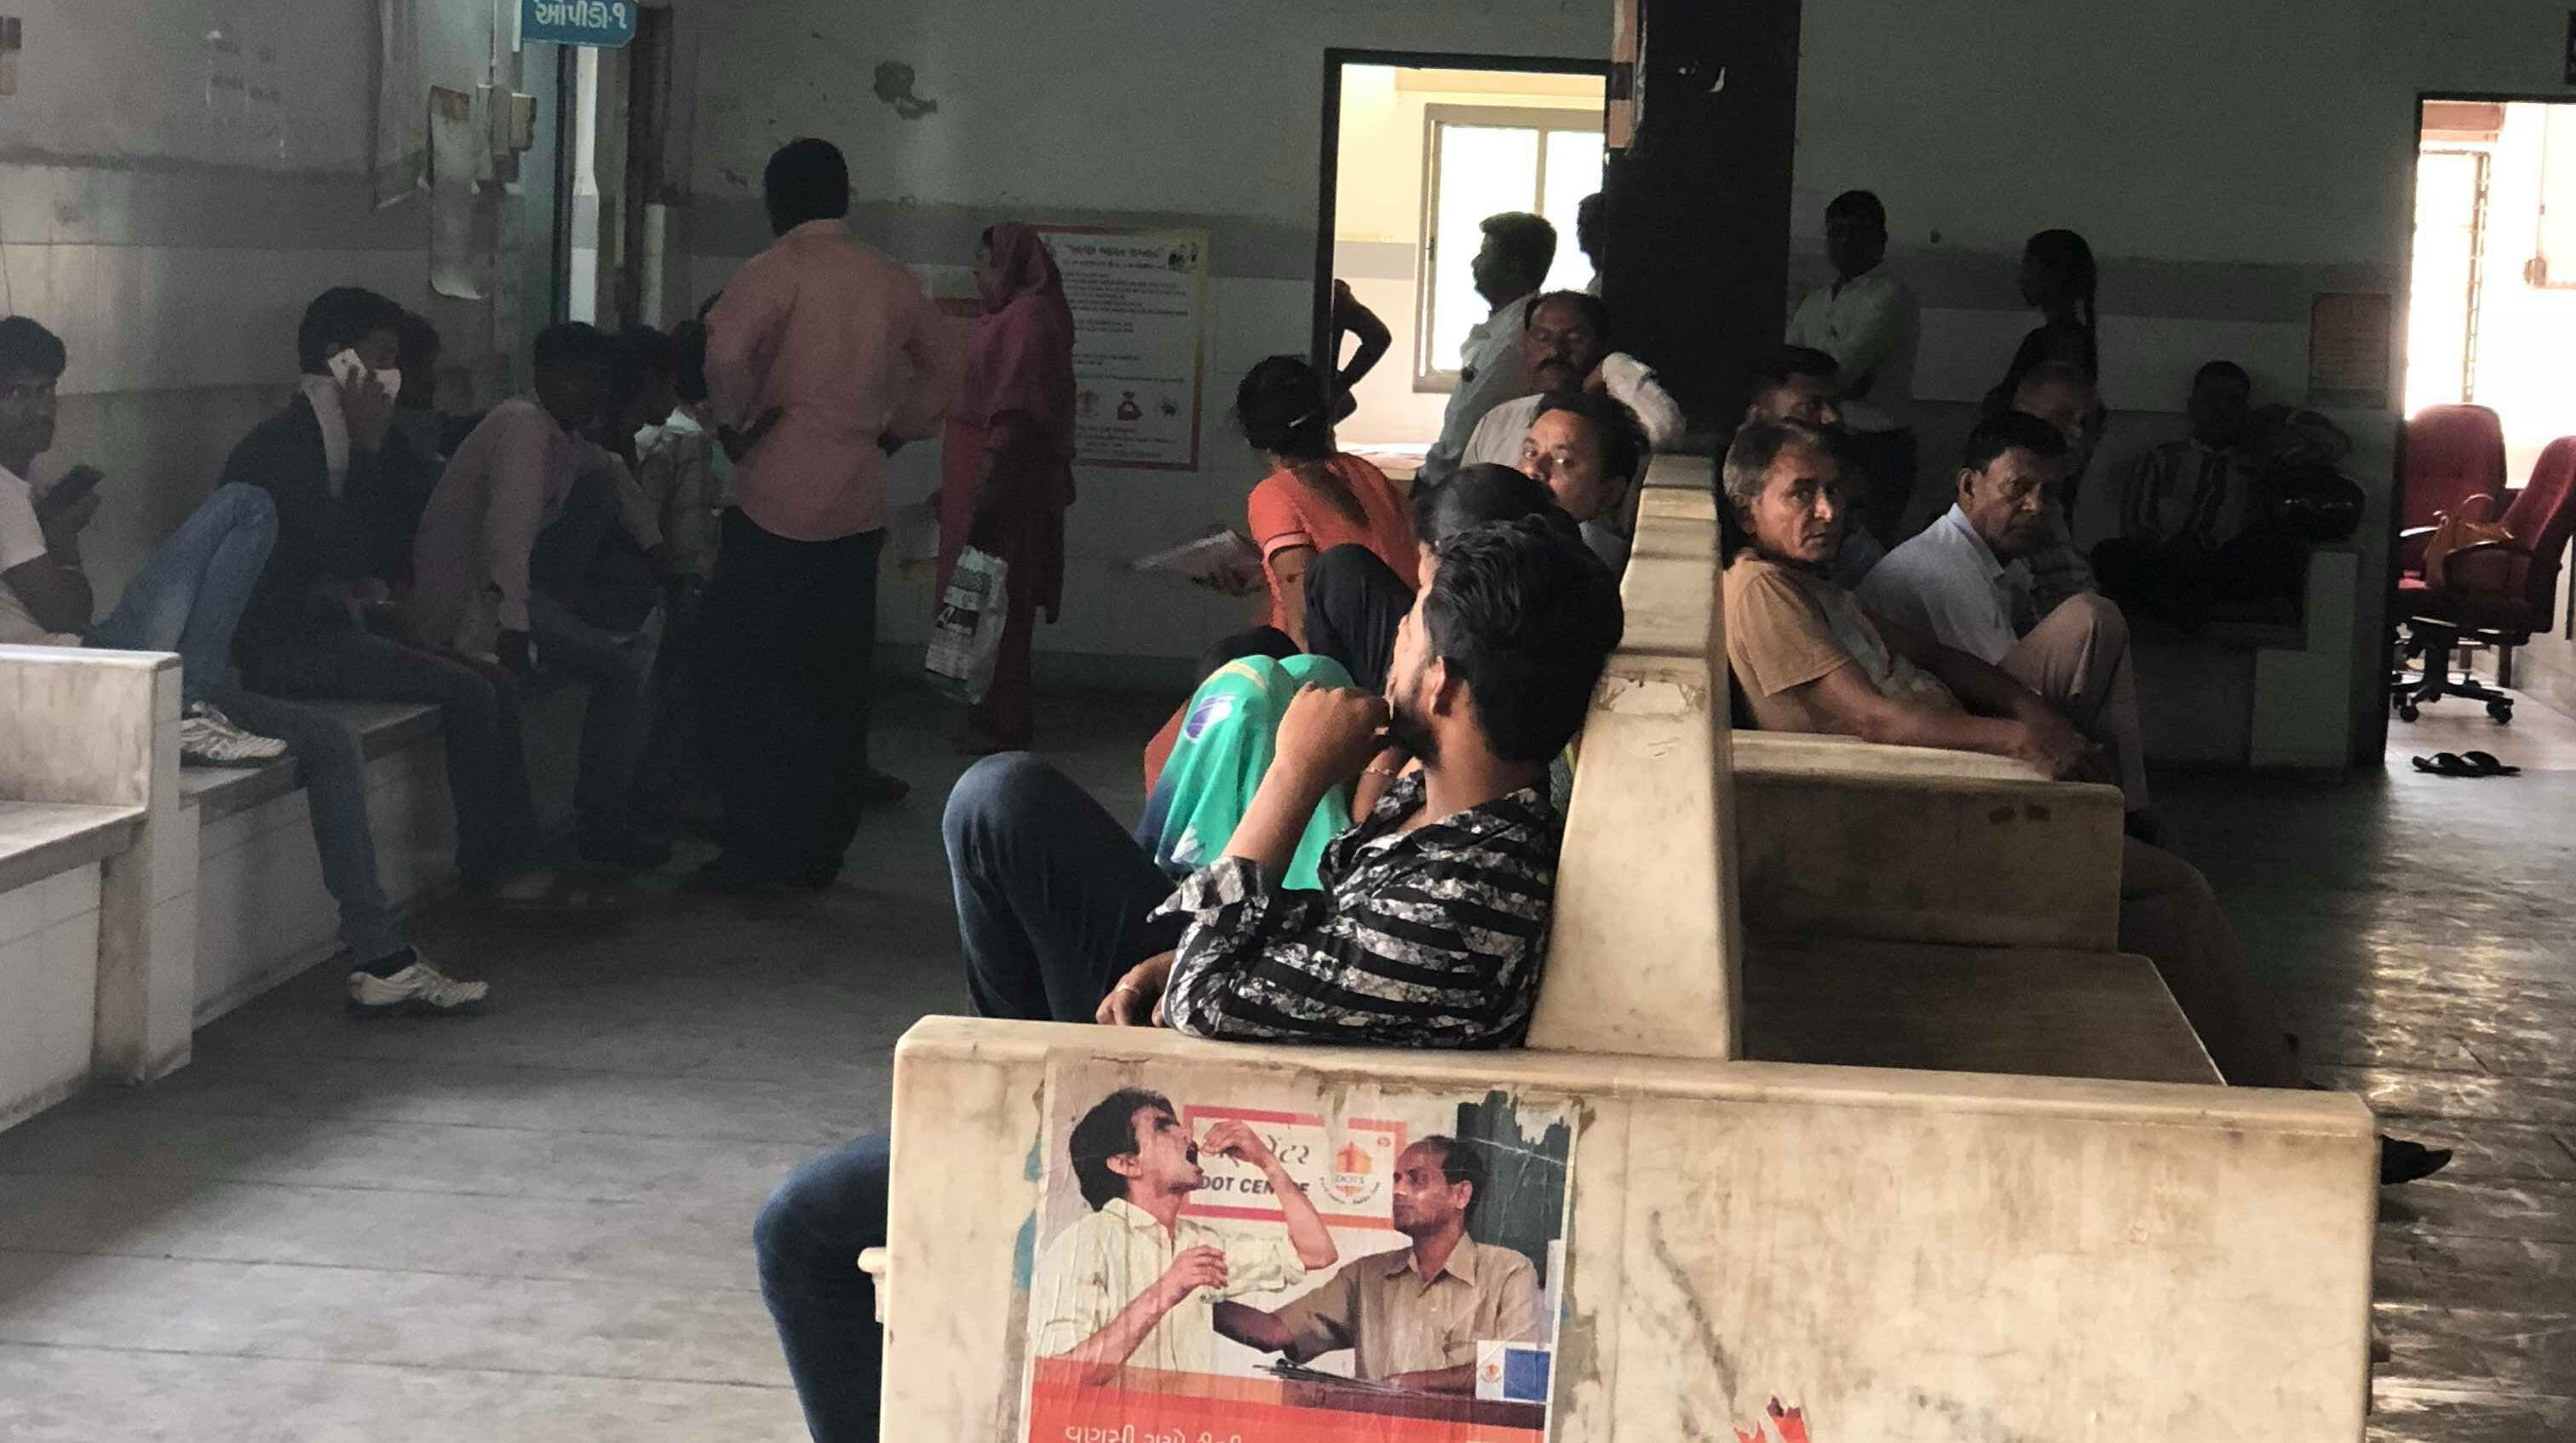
(1133, 1284)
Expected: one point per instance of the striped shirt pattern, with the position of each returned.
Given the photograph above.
(1430, 938)
(2184, 494)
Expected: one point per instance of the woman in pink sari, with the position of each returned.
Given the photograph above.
(1007, 467)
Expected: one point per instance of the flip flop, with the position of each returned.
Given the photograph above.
(2484, 764)
(2446, 764)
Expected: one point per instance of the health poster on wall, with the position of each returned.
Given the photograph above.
(1226, 1261)
(1139, 302)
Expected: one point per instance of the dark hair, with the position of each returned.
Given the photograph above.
(342, 316)
(1108, 1130)
(2071, 257)
(806, 180)
(1859, 205)
(1786, 364)
(1527, 241)
(1623, 437)
(567, 345)
(638, 354)
(689, 361)
(2229, 369)
(1281, 408)
(1477, 495)
(1460, 1162)
(2050, 372)
(2011, 431)
(1526, 616)
(1267, 641)
(1595, 313)
(25, 345)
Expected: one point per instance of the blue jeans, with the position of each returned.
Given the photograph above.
(619, 672)
(190, 593)
(808, 1240)
(487, 766)
(1052, 893)
(335, 793)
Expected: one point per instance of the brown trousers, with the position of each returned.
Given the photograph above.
(2078, 658)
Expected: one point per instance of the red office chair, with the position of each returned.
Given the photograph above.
(2452, 454)
(2496, 592)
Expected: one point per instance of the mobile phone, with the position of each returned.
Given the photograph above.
(67, 493)
(346, 366)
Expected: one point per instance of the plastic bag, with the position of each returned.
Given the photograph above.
(966, 627)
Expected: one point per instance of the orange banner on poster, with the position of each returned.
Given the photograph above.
(1141, 1405)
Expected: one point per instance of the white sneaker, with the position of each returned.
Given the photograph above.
(208, 738)
(418, 990)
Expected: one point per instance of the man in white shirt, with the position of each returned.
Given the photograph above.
(1867, 320)
(1135, 1283)
(1509, 269)
(1565, 346)
(187, 597)
(1964, 582)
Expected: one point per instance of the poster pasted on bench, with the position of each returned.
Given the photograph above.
(1242, 1261)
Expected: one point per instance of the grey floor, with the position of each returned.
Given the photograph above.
(534, 1225)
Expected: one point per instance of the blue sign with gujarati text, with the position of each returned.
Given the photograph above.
(609, 23)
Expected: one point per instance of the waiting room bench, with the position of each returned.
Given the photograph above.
(97, 881)
(1903, 1255)
(2031, 1216)
(1853, 839)
(139, 900)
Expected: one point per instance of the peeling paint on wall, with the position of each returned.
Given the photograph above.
(894, 86)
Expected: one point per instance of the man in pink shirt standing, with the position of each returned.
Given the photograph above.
(822, 359)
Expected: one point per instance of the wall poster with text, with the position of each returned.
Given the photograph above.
(1139, 301)
(1248, 1262)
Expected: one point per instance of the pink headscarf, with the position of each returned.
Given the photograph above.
(1021, 359)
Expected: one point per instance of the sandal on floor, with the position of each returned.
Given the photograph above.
(2447, 764)
(2484, 764)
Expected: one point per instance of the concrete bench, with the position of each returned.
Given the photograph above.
(2030, 1215)
(1901, 1254)
(1852, 839)
(97, 878)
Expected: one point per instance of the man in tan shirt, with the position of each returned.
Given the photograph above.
(1411, 1317)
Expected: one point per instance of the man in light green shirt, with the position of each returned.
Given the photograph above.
(1135, 1284)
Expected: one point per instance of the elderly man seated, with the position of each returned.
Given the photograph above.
(1963, 582)
(1810, 657)
(1796, 383)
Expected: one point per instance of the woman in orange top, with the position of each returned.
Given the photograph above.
(1316, 498)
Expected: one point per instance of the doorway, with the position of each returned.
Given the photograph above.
(2492, 301)
(1417, 150)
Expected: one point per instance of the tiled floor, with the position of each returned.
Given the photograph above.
(535, 1225)
(2421, 932)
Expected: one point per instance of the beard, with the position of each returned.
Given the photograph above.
(1412, 733)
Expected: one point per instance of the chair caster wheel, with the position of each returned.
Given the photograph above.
(2502, 711)
(2408, 711)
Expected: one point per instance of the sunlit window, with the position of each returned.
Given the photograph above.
(1483, 162)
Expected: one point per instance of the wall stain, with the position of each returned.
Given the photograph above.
(894, 86)
(1701, 1324)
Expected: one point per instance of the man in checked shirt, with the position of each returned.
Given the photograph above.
(1430, 931)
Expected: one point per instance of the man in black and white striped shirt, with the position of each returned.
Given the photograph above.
(1430, 931)
(1432, 921)
(1432, 925)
